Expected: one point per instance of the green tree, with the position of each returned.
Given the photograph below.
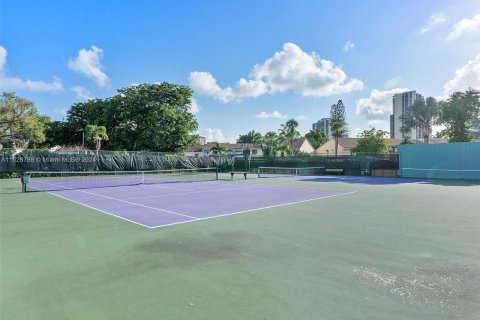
(338, 114)
(406, 140)
(289, 133)
(60, 133)
(250, 137)
(153, 117)
(96, 134)
(337, 132)
(421, 114)
(316, 137)
(270, 140)
(219, 148)
(20, 123)
(283, 149)
(372, 141)
(457, 114)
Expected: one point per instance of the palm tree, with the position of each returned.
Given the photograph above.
(96, 134)
(316, 137)
(271, 142)
(337, 129)
(282, 148)
(289, 133)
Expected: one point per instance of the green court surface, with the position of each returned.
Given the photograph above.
(388, 251)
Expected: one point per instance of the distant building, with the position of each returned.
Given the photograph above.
(323, 125)
(401, 101)
(202, 140)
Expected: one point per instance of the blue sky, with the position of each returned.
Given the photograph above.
(252, 64)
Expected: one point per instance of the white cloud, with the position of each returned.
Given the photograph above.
(88, 63)
(3, 59)
(466, 77)
(216, 135)
(433, 21)
(349, 45)
(300, 117)
(61, 112)
(303, 73)
(266, 115)
(13, 83)
(81, 93)
(288, 70)
(465, 26)
(356, 132)
(194, 107)
(205, 84)
(378, 106)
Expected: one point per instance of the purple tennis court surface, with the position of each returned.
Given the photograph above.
(160, 205)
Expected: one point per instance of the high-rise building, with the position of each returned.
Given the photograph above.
(400, 102)
(324, 125)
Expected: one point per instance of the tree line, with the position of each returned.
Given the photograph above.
(156, 117)
(287, 136)
(459, 115)
(146, 117)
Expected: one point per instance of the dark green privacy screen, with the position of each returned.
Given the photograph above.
(35, 160)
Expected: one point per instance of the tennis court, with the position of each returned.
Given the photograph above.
(163, 198)
(307, 247)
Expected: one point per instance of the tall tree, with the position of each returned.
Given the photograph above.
(96, 134)
(421, 114)
(60, 133)
(372, 141)
(316, 137)
(289, 133)
(458, 112)
(20, 123)
(338, 114)
(270, 141)
(250, 137)
(153, 117)
(337, 132)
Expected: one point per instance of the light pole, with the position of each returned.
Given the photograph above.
(83, 138)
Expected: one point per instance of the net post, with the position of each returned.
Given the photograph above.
(143, 177)
(258, 172)
(216, 172)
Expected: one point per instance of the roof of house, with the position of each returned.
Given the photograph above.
(300, 142)
(348, 143)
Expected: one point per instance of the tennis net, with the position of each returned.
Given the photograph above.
(63, 180)
(278, 172)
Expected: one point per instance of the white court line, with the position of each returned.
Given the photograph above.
(247, 187)
(85, 205)
(250, 210)
(132, 203)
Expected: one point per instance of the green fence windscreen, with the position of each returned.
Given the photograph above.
(440, 161)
